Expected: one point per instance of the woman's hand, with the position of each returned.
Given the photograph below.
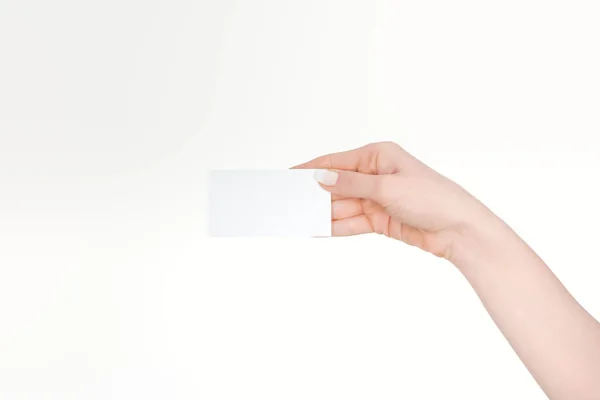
(381, 188)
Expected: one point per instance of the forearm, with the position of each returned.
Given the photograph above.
(557, 340)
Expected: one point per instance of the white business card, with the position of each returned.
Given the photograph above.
(268, 203)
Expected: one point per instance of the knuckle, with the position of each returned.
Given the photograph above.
(385, 155)
(328, 159)
(386, 145)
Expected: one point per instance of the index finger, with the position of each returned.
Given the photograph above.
(346, 160)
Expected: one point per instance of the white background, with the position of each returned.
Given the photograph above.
(112, 112)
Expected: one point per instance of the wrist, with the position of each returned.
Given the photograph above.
(482, 237)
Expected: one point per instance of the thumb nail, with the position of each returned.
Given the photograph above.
(326, 177)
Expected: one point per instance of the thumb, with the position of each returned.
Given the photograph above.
(352, 184)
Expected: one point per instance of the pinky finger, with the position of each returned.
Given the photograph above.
(351, 226)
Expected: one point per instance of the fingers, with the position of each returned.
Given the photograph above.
(348, 160)
(354, 184)
(382, 157)
(351, 226)
(345, 208)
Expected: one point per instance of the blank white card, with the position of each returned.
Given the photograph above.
(268, 203)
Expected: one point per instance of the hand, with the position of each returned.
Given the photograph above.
(381, 188)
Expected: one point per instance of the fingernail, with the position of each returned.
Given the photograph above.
(326, 177)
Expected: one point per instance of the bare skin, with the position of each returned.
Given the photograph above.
(381, 188)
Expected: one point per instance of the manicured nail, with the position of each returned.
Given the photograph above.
(326, 177)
